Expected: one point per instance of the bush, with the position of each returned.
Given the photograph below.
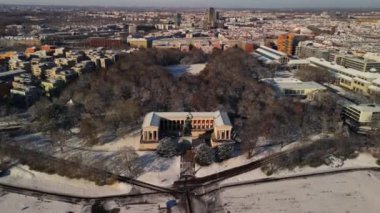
(268, 170)
(224, 152)
(204, 155)
(167, 148)
(378, 162)
(183, 146)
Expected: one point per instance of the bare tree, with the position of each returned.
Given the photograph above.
(60, 138)
(126, 162)
(88, 131)
(310, 73)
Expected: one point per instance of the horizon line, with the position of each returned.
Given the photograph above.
(189, 7)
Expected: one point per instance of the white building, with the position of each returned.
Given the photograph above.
(157, 125)
(362, 118)
(269, 54)
(294, 87)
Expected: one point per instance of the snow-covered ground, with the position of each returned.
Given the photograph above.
(115, 145)
(14, 203)
(363, 160)
(180, 69)
(21, 176)
(159, 171)
(233, 162)
(259, 152)
(349, 192)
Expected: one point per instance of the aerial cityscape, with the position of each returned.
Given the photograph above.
(189, 106)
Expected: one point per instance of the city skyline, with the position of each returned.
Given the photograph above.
(199, 3)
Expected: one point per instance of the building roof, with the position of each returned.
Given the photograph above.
(301, 85)
(12, 72)
(298, 61)
(292, 83)
(366, 107)
(152, 119)
(336, 67)
(268, 54)
(273, 51)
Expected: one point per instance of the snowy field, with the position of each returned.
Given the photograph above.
(349, 192)
(156, 170)
(15, 203)
(178, 70)
(260, 152)
(363, 160)
(160, 171)
(21, 176)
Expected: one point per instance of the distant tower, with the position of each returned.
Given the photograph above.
(132, 29)
(178, 19)
(211, 17)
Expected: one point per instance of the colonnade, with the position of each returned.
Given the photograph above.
(203, 124)
(222, 134)
(150, 136)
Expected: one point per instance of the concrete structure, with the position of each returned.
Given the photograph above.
(357, 63)
(177, 19)
(211, 17)
(5, 89)
(139, 42)
(204, 43)
(269, 54)
(348, 78)
(288, 42)
(362, 118)
(157, 125)
(296, 64)
(8, 76)
(132, 29)
(311, 51)
(104, 42)
(8, 55)
(295, 87)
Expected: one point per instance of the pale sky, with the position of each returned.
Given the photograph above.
(208, 3)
